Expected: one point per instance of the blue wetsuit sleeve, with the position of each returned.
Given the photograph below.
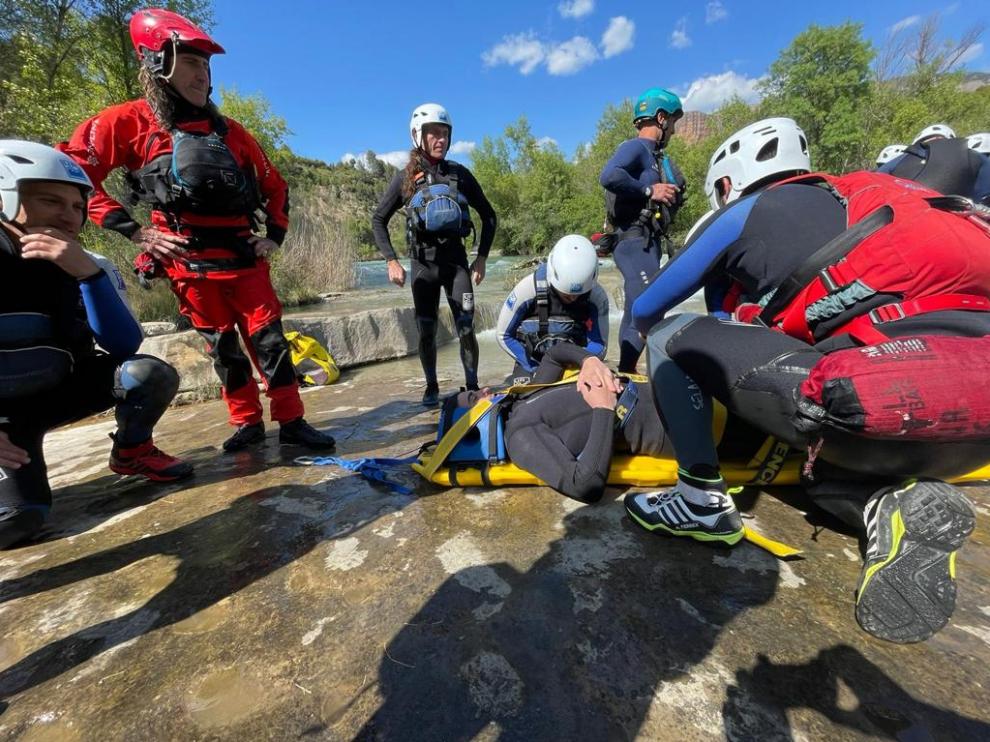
(623, 173)
(113, 326)
(598, 331)
(517, 306)
(690, 269)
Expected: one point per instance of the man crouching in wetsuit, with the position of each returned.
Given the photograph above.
(566, 435)
(55, 303)
(802, 269)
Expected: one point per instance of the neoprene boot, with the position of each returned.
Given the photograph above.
(298, 432)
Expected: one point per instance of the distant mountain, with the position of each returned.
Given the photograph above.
(975, 80)
(693, 127)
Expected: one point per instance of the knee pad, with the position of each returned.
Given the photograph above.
(232, 366)
(465, 325)
(427, 326)
(272, 351)
(151, 375)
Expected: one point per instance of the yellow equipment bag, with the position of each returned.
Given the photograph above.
(313, 363)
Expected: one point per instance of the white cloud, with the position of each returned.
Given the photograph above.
(911, 20)
(678, 37)
(546, 142)
(571, 56)
(708, 93)
(462, 148)
(523, 50)
(618, 37)
(576, 8)
(972, 54)
(715, 12)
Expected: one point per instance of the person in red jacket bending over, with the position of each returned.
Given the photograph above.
(207, 182)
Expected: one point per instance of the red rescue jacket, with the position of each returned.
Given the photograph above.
(129, 136)
(932, 259)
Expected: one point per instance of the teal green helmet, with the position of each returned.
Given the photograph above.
(654, 100)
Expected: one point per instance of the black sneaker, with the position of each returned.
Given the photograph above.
(431, 397)
(669, 512)
(244, 436)
(907, 590)
(301, 433)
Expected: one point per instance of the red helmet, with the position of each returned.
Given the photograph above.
(154, 32)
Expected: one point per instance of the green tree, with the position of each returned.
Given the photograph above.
(822, 80)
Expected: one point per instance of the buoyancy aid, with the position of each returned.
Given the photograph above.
(555, 322)
(901, 255)
(437, 208)
(199, 175)
(40, 326)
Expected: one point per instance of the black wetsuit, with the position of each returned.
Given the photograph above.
(636, 165)
(554, 434)
(440, 262)
(948, 166)
(140, 387)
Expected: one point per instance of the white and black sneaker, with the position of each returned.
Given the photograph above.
(671, 512)
(907, 590)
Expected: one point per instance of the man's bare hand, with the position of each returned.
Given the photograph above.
(161, 244)
(59, 248)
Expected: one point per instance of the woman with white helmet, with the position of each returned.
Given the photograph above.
(943, 162)
(437, 193)
(560, 302)
(826, 263)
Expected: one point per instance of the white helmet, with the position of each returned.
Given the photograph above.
(753, 155)
(935, 130)
(573, 265)
(22, 161)
(428, 113)
(980, 142)
(889, 152)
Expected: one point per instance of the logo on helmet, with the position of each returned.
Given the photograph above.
(642, 105)
(576, 288)
(72, 169)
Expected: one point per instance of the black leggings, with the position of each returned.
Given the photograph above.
(638, 259)
(140, 388)
(756, 373)
(450, 273)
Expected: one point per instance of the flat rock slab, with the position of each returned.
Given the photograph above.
(265, 600)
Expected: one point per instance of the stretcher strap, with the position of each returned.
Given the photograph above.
(371, 469)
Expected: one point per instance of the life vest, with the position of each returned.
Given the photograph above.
(199, 176)
(437, 208)
(555, 322)
(39, 329)
(901, 255)
(926, 388)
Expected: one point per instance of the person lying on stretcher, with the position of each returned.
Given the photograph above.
(566, 435)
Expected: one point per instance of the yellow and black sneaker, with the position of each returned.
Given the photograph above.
(907, 590)
(671, 512)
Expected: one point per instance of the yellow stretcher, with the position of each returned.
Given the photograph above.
(774, 463)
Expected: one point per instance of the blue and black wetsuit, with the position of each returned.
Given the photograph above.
(637, 165)
(440, 263)
(758, 241)
(948, 166)
(69, 318)
(583, 322)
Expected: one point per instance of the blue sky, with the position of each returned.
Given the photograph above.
(346, 75)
